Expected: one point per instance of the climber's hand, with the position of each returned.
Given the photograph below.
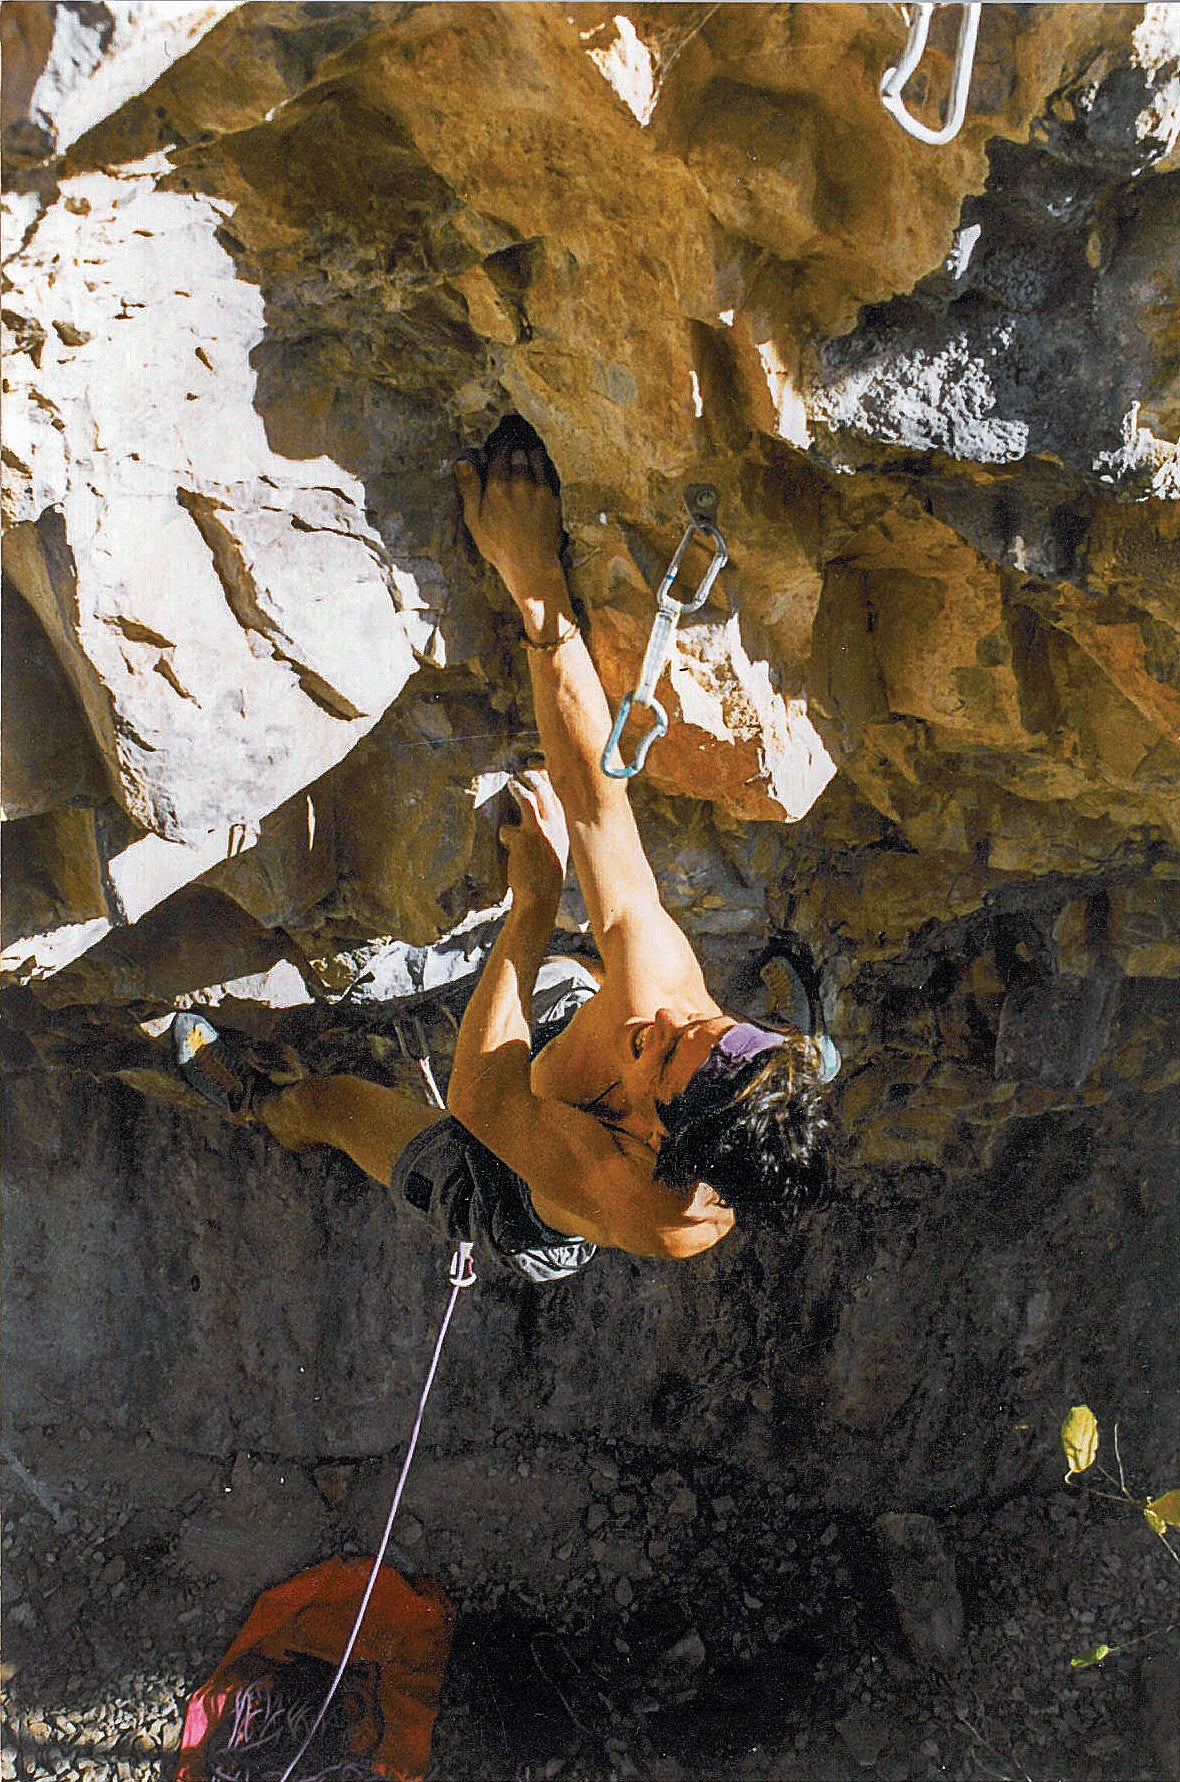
(539, 845)
(515, 520)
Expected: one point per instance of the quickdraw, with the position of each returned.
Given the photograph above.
(894, 80)
(701, 501)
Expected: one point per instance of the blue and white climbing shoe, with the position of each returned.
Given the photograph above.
(792, 1000)
(212, 1066)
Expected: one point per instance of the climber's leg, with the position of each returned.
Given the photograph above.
(369, 1123)
(372, 1125)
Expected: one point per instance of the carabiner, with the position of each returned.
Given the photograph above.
(895, 79)
(462, 1270)
(660, 728)
(701, 502)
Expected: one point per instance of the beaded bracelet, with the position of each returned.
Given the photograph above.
(562, 637)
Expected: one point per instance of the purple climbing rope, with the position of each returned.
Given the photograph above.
(462, 1274)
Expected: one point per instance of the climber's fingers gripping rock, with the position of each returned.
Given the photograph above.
(514, 518)
(538, 847)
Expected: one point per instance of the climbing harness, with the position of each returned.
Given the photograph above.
(894, 80)
(701, 501)
(461, 1275)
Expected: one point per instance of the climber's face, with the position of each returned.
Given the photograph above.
(659, 1058)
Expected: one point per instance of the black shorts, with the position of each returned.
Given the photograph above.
(467, 1193)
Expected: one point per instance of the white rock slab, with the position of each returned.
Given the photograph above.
(230, 620)
(102, 56)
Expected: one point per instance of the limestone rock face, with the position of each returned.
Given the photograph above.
(269, 268)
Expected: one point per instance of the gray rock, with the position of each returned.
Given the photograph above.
(963, 366)
(49, 756)
(1053, 1030)
(259, 1531)
(925, 1590)
(864, 1733)
(1159, 1697)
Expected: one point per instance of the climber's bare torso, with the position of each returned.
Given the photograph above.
(582, 1123)
(656, 1044)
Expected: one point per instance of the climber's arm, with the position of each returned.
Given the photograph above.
(574, 720)
(492, 1052)
(516, 524)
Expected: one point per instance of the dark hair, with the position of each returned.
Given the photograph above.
(759, 1136)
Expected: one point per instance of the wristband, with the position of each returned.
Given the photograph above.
(563, 637)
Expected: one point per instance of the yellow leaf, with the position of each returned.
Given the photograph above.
(1094, 1656)
(1163, 1512)
(1079, 1438)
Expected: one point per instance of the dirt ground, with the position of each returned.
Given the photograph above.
(621, 1614)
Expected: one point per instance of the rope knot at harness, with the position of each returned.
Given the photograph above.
(462, 1271)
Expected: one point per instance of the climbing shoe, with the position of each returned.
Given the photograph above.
(214, 1068)
(796, 999)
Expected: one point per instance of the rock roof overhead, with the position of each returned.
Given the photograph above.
(271, 267)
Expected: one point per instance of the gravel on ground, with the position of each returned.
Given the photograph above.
(622, 1614)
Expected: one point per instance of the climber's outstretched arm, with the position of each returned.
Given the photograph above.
(515, 521)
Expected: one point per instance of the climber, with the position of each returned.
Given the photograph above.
(645, 1117)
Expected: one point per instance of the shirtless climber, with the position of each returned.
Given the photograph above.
(652, 1120)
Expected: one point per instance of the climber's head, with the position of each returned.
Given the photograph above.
(751, 1122)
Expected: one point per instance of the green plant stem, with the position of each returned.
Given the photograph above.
(1109, 1497)
(1153, 1633)
(1168, 1545)
(1120, 1481)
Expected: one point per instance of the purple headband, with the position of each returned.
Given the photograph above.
(736, 1047)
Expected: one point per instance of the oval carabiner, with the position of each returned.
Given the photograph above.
(720, 557)
(660, 728)
(895, 79)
